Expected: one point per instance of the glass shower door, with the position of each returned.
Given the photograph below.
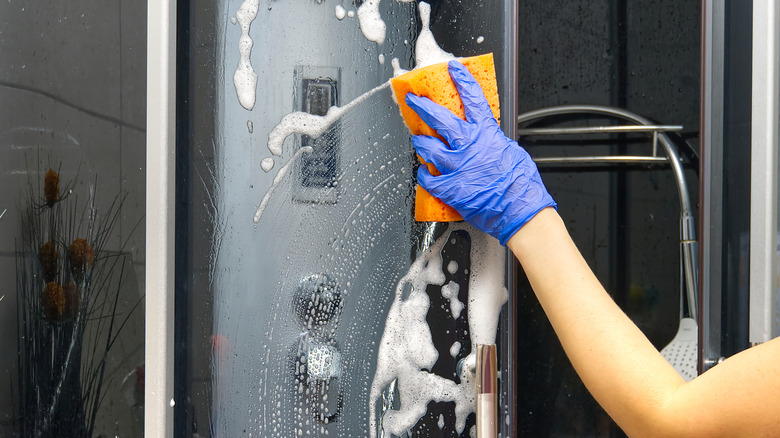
(309, 302)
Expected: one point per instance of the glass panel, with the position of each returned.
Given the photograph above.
(72, 148)
(310, 301)
(641, 57)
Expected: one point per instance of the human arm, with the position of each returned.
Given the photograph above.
(617, 363)
(623, 370)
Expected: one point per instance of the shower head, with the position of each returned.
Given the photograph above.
(682, 352)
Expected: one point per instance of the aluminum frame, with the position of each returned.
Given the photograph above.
(510, 106)
(711, 182)
(160, 216)
(764, 170)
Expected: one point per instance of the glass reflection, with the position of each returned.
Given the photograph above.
(72, 117)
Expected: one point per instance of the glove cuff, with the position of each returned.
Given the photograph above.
(514, 226)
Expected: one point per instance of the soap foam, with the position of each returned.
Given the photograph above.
(427, 51)
(340, 12)
(310, 124)
(455, 349)
(397, 70)
(245, 79)
(406, 351)
(487, 292)
(406, 354)
(450, 292)
(371, 23)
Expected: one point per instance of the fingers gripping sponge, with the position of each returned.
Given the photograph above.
(434, 82)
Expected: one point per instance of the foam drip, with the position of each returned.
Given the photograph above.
(406, 351)
(245, 78)
(427, 50)
(371, 23)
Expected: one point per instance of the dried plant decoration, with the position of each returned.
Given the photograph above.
(81, 256)
(53, 301)
(49, 258)
(51, 187)
(69, 284)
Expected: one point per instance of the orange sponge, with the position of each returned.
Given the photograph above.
(434, 82)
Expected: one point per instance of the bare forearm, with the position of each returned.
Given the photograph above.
(617, 363)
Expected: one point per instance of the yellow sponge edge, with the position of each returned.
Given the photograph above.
(434, 82)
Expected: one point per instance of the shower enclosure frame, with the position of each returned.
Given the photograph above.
(160, 217)
(764, 170)
(760, 294)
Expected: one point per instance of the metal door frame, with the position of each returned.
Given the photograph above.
(765, 117)
(764, 170)
(160, 179)
(160, 216)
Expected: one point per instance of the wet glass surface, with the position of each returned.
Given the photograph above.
(315, 305)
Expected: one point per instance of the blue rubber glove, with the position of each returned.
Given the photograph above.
(486, 176)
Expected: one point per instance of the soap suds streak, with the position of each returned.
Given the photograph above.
(278, 179)
(245, 78)
(310, 124)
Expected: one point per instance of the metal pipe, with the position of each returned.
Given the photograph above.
(685, 204)
(600, 130)
(688, 240)
(602, 159)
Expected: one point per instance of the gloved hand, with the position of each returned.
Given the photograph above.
(487, 177)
